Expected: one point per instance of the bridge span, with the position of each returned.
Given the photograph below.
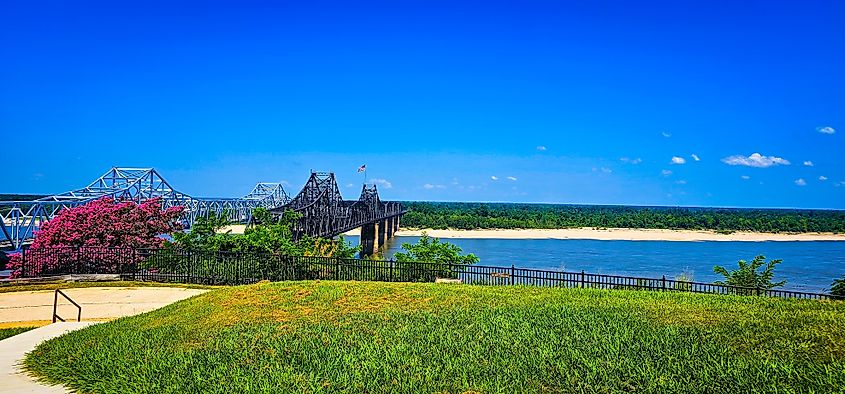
(326, 214)
(323, 211)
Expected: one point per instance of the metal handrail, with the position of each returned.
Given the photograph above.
(56, 304)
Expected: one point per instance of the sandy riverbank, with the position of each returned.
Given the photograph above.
(623, 234)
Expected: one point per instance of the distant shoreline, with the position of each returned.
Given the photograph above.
(621, 234)
(605, 234)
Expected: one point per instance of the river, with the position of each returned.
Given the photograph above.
(807, 265)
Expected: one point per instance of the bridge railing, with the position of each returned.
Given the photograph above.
(233, 268)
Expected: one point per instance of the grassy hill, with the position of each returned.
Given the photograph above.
(391, 337)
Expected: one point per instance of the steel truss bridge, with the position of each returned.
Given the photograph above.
(324, 212)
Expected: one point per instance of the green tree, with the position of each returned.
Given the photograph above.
(748, 274)
(266, 235)
(430, 258)
(837, 288)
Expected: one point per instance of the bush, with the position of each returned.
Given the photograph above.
(747, 274)
(838, 287)
(103, 223)
(442, 259)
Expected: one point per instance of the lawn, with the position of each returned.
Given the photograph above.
(10, 332)
(391, 337)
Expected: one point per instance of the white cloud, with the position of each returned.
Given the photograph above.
(350, 185)
(808, 163)
(665, 134)
(822, 178)
(631, 161)
(541, 148)
(666, 172)
(495, 178)
(826, 130)
(606, 170)
(695, 157)
(746, 177)
(681, 182)
(430, 186)
(383, 182)
(512, 178)
(755, 160)
(678, 160)
(801, 182)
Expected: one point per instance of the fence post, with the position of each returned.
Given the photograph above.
(663, 282)
(78, 260)
(189, 261)
(512, 273)
(391, 269)
(24, 267)
(582, 278)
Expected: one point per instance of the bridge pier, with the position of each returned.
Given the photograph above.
(381, 233)
(372, 238)
(390, 230)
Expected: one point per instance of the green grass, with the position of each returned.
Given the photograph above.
(10, 332)
(7, 288)
(386, 337)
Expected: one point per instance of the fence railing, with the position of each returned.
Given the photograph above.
(56, 306)
(232, 268)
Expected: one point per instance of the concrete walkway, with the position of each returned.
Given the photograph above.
(98, 303)
(28, 308)
(13, 350)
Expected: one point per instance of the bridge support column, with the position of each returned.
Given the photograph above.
(381, 233)
(369, 239)
(390, 229)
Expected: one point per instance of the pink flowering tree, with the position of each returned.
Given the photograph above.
(100, 226)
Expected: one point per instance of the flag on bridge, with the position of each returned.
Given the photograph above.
(362, 168)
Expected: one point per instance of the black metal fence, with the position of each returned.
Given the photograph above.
(232, 268)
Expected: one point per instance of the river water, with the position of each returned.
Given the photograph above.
(807, 265)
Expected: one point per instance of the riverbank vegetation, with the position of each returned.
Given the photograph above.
(391, 337)
(20, 197)
(266, 235)
(442, 215)
(748, 274)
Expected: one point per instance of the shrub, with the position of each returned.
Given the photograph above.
(837, 288)
(747, 274)
(441, 259)
(102, 223)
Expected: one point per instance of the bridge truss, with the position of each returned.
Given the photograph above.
(20, 219)
(326, 214)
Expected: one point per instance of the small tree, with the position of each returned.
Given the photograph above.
(266, 235)
(443, 257)
(103, 223)
(837, 288)
(747, 274)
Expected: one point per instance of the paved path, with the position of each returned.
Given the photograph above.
(12, 351)
(98, 303)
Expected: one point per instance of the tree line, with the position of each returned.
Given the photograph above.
(442, 215)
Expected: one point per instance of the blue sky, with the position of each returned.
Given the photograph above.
(462, 101)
